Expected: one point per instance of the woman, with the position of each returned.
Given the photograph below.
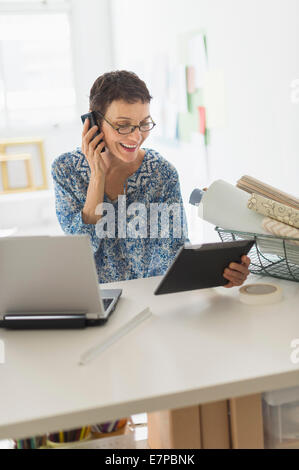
(93, 178)
(112, 171)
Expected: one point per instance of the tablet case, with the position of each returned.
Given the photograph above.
(202, 266)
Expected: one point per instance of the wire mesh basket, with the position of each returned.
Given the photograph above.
(270, 256)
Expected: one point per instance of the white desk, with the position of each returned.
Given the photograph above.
(198, 347)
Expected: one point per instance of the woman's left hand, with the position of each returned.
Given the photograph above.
(237, 273)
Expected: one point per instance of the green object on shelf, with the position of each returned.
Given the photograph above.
(195, 100)
(187, 125)
(207, 137)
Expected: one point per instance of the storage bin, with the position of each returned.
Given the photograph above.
(281, 418)
(271, 256)
(121, 439)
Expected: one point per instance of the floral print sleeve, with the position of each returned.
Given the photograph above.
(69, 205)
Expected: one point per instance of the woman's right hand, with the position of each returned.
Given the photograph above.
(92, 152)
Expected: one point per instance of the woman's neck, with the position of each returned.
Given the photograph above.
(117, 166)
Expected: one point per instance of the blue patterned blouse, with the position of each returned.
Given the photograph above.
(130, 257)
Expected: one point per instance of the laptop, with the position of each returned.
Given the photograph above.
(51, 282)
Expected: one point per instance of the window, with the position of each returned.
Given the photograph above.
(36, 78)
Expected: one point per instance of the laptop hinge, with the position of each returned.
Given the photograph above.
(93, 316)
(43, 321)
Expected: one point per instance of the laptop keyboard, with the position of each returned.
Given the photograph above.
(107, 303)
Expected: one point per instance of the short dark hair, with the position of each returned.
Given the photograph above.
(118, 85)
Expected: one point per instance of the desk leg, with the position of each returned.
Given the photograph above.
(214, 422)
(175, 429)
(247, 422)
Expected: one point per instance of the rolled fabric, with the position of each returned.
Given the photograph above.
(280, 230)
(252, 185)
(225, 205)
(280, 212)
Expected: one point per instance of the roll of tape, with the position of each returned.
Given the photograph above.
(260, 294)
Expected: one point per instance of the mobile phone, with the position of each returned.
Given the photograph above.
(92, 122)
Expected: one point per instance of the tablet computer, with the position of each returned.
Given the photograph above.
(202, 266)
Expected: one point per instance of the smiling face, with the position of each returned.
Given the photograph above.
(120, 113)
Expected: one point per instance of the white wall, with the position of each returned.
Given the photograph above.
(92, 41)
(256, 45)
(91, 56)
(254, 42)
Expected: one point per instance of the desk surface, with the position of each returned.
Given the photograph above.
(198, 347)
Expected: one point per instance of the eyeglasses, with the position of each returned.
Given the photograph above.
(127, 128)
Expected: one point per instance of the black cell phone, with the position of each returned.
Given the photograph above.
(92, 122)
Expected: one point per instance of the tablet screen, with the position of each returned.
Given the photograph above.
(202, 266)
